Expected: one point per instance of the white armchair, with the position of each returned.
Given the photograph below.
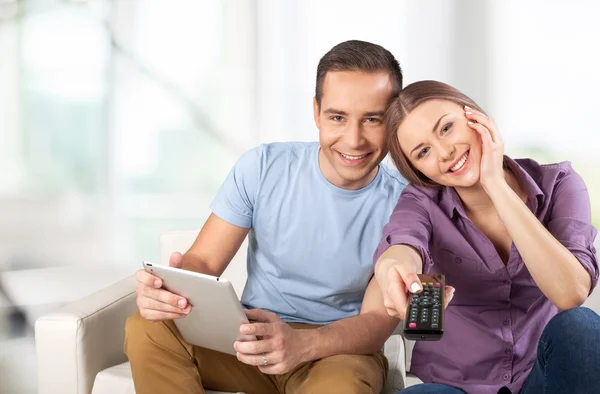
(80, 346)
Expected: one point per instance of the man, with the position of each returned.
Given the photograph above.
(314, 213)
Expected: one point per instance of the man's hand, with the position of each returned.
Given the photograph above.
(156, 303)
(282, 347)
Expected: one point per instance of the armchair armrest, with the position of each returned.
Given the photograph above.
(394, 350)
(83, 338)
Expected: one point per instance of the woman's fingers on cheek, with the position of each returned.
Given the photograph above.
(483, 132)
(477, 116)
(479, 129)
(473, 113)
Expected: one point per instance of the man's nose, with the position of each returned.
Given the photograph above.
(354, 135)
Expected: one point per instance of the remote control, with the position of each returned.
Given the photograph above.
(425, 312)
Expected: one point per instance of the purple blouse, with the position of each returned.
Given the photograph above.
(497, 315)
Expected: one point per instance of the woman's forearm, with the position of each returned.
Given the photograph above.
(397, 254)
(556, 271)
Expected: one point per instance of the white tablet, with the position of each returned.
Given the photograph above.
(216, 316)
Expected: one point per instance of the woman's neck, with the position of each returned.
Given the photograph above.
(475, 199)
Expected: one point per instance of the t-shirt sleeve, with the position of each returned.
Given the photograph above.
(570, 221)
(236, 198)
(409, 224)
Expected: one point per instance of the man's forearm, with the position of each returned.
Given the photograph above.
(362, 334)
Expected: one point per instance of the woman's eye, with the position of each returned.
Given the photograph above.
(423, 152)
(446, 128)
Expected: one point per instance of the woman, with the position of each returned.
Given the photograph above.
(514, 241)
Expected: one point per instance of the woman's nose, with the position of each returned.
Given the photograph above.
(447, 152)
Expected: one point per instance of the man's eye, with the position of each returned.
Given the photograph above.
(337, 118)
(423, 152)
(373, 120)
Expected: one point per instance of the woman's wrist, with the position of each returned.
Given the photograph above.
(496, 188)
(382, 267)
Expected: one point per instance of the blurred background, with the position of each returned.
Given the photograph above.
(119, 119)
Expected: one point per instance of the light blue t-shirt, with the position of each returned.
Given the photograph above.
(311, 244)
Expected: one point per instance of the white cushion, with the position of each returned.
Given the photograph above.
(117, 380)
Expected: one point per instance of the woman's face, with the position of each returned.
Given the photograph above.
(438, 142)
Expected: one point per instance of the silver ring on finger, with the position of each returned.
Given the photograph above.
(265, 361)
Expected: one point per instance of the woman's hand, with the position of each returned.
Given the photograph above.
(396, 280)
(492, 149)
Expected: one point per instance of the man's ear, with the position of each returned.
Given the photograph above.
(316, 113)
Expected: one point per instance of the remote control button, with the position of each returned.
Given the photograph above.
(437, 284)
(412, 325)
(434, 325)
(429, 284)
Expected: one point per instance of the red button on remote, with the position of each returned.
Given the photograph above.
(437, 284)
(412, 325)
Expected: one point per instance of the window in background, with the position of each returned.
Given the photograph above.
(182, 110)
(544, 83)
(65, 55)
(123, 117)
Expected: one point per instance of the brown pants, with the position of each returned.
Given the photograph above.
(162, 362)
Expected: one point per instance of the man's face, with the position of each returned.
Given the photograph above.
(351, 129)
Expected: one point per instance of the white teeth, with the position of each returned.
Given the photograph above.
(352, 157)
(460, 163)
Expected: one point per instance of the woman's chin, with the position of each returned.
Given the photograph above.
(467, 180)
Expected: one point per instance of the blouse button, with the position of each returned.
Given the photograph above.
(458, 260)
